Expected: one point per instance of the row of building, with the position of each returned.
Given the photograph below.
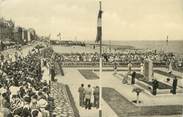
(10, 32)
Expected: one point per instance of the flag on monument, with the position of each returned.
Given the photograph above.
(99, 26)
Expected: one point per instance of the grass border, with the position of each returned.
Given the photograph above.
(88, 74)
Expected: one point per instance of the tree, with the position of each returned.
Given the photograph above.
(137, 90)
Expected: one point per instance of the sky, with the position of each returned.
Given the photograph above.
(77, 19)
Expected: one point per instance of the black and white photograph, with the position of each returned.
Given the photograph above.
(91, 58)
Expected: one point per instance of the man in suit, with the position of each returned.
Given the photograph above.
(133, 78)
(115, 68)
(96, 94)
(174, 85)
(81, 91)
(88, 93)
(52, 72)
(129, 67)
(155, 85)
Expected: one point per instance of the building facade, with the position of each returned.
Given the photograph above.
(6, 29)
(17, 34)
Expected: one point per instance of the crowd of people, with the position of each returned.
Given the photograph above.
(134, 57)
(88, 96)
(23, 91)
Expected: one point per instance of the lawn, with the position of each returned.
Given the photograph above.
(88, 74)
(119, 104)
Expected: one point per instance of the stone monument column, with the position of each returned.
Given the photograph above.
(148, 70)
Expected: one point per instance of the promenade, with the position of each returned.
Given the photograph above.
(73, 78)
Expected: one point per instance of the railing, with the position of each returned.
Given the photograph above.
(105, 64)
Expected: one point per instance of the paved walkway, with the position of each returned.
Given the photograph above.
(74, 79)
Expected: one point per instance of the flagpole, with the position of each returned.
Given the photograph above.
(100, 74)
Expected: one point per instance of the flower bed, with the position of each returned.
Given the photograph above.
(63, 105)
(88, 74)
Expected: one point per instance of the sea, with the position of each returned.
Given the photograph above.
(175, 47)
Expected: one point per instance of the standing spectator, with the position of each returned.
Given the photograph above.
(15, 103)
(2, 57)
(42, 106)
(129, 67)
(115, 68)
(52, 72)
(81, 91)
(174, 85)
(155, 85)
(16, 55)
(125, 79)
(33, 103)
(44, 62)
(142, 68)
(5, 106)
(26, 112)
(133, 78)
(170, 68)
(36, 113)
(96, 97)
(21, 92)
(2, 46)
(88, 93)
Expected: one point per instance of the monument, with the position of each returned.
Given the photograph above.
(148, 70)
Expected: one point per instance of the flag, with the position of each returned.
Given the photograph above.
(99, 26)
(59, 34)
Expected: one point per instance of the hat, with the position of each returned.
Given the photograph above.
(34, 101)
(3, 91)
(42, 103)
(27, 98)
(45, 88)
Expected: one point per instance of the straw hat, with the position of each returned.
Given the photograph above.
(42, 103)
(3, 91)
